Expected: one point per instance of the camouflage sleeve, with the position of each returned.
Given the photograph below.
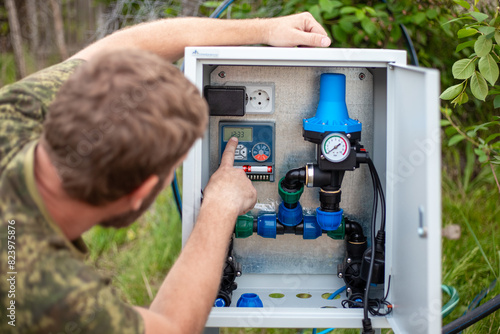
(24, 104)
(71, 297)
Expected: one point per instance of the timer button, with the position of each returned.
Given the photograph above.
(241, 152)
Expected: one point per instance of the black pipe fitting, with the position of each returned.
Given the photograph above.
(352, 227)
(294, 180)
(330, 200)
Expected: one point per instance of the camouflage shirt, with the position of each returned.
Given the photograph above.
(45, 287)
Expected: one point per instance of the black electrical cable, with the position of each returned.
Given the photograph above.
(473, 317)
(177, 196)
(380, 190)
(406, 35)
(366, 320)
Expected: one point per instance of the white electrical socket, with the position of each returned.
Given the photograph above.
(259, 96)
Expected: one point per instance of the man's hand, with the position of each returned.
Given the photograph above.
(230, 186)
(169, 37)
(300, 29)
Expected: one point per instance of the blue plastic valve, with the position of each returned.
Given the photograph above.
(219, 302)
(266, 225)
(249, 300)
(311, 228)
(332, 114)
(329, 221)
(290, 217)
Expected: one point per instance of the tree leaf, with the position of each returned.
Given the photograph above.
(368, 26)
(497, 37)
(445, 122)
(326, 5)
(496, 102)
(452, 92)
(370, 10)
(491, 137)
(486, 30)
(483, 46)
(455, 139)
(462, 3)
(483, 158)
(478, 86)
(463, 68)
(360, 14)
(466, 32)
(348, 10)
(339, 34)
(480, 17)
(464, 45)
(479, 152)
(419, 18)
(431, 14)
(461, 99)
(315, 12)
(346, 25)
(488, 68)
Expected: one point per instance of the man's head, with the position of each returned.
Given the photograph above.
(121, 118)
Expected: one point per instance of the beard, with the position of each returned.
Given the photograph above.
(127, 218)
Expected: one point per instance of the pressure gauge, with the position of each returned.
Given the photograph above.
(335, 147)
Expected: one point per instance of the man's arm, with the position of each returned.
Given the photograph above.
(169, 37)
(186, 296)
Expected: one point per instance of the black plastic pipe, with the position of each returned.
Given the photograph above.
(472, 317)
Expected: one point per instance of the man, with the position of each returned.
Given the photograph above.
(92, 141)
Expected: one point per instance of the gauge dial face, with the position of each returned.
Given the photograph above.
(261, 152)
(335, 147)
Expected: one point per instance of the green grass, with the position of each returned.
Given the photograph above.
(471, 263)
(140, 256)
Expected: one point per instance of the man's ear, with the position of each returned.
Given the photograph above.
(138, 195)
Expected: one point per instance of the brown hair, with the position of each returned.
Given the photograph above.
(119, 119)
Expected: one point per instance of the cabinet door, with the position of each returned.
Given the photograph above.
(413, 183)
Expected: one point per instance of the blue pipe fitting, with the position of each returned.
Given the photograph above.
(290, 217)
(220, 302)
(249, 300)
(266, 225)
(329, 221)
(311, 228)
(332, 114)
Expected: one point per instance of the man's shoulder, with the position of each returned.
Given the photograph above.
(24, 105)
(41, 85)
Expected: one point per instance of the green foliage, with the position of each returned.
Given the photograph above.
(376, 24)
(479, 73)
(481, 67)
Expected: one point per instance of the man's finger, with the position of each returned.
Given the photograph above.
(312, 39)
(228, 155)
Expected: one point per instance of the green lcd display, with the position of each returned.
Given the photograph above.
(243, 134)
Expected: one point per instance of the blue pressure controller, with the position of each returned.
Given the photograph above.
(255, 150)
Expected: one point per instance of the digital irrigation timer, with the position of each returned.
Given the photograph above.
(255, 150)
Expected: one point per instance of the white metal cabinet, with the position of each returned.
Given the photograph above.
(405, 146)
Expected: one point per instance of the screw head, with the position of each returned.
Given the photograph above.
(348, 135)
(238, 273)
(340, 275)
(348, 260)
(222, 74)
(362, 76)
(322, 157)
(230, 258)
(349, 290)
